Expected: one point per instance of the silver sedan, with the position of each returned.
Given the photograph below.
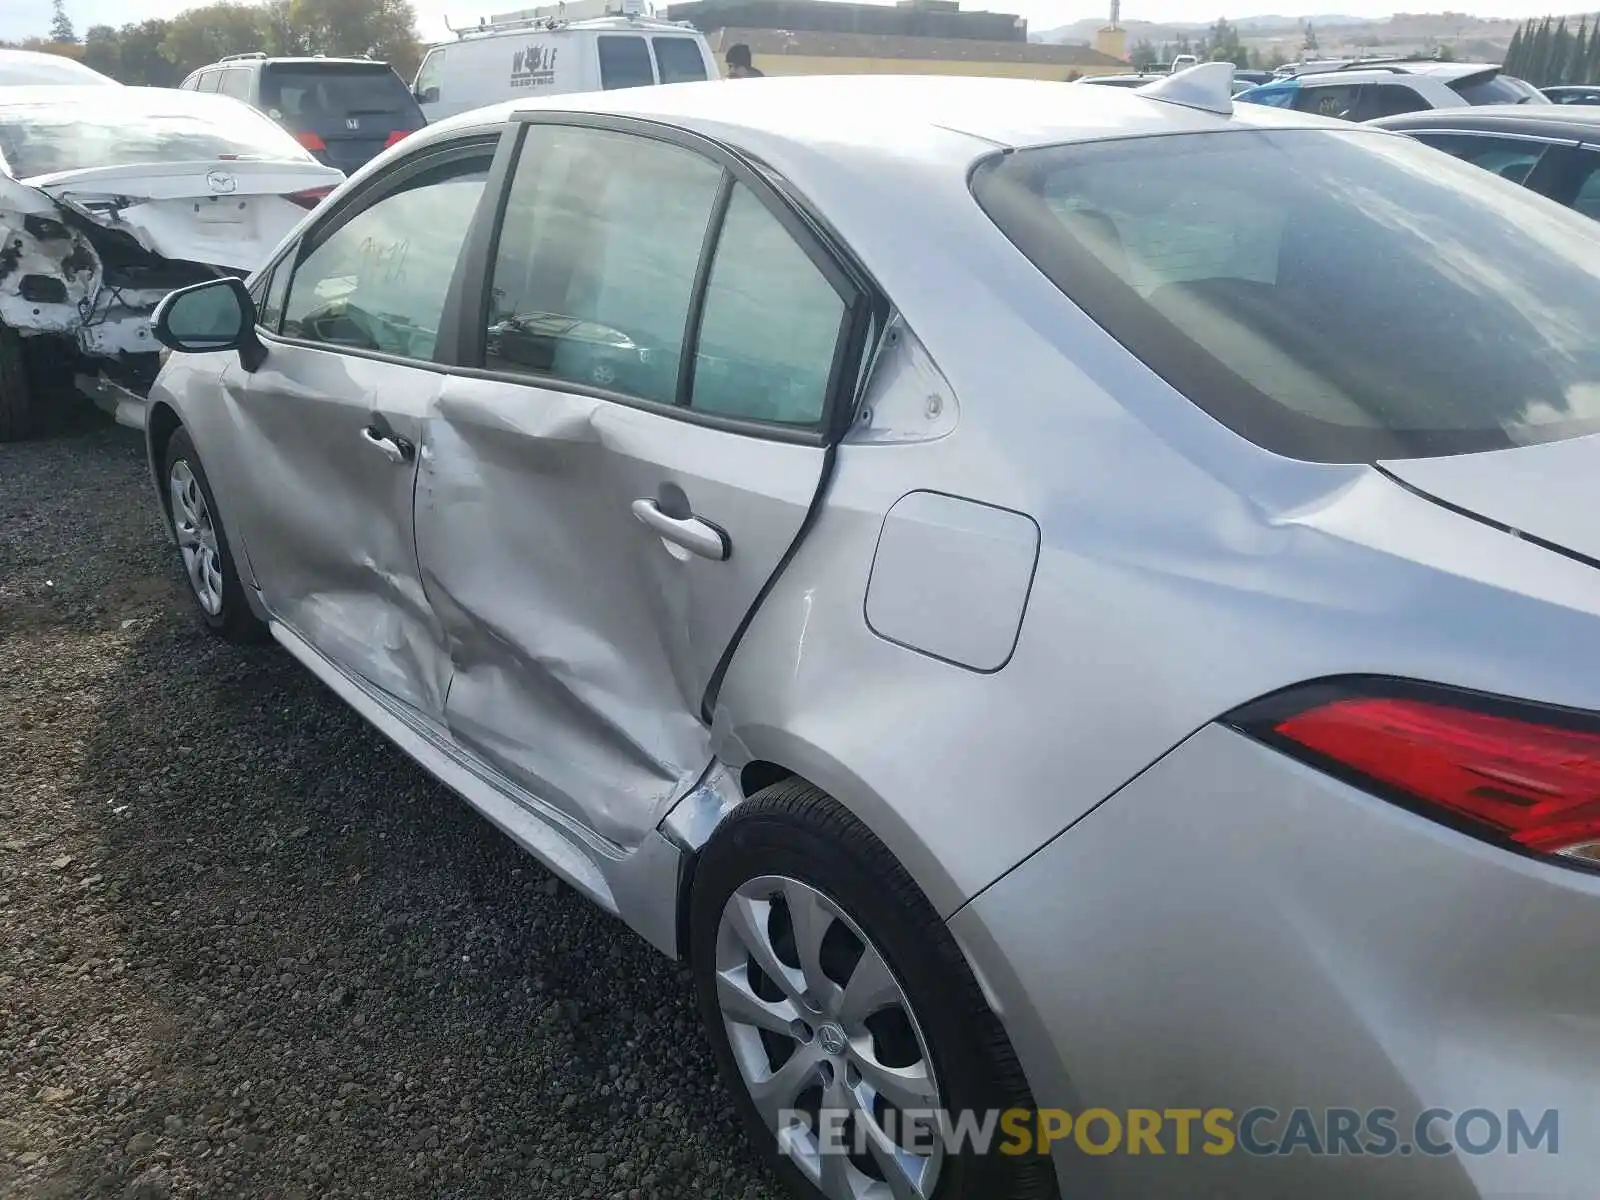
(1074, 610)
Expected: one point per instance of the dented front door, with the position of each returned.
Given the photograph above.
(326, 443)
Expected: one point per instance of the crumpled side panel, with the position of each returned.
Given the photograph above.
(561, 679)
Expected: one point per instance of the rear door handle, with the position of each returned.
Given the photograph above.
(690, 532)
(395, 448)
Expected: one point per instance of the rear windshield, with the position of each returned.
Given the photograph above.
(308, 91)
(1491, 87)
(1332, 296)
(126, 126)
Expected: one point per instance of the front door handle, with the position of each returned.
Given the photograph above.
(690, 532)
(395, 448)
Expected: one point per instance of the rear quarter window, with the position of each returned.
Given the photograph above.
(1331, 296)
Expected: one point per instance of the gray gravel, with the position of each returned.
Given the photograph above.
(247, 949)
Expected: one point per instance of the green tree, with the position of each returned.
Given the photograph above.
(1311, 37)
(385, 29)
(1513, 58)
(61, 30)
(198, 36)
(102, 51)
(1577, 65)
(1143, 55)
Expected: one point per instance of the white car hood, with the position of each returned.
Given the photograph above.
(229, 213)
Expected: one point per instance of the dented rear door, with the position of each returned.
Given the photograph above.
(598, 511)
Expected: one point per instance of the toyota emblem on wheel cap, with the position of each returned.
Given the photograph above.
(221, 181)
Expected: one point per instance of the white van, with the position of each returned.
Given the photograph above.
(509, 57)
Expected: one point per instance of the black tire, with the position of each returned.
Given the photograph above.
(234, 622)
(19, 417)
(792, 829)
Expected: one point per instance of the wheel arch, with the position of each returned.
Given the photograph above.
(161, 422)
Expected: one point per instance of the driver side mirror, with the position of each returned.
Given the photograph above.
(204, 318)
(426, 95)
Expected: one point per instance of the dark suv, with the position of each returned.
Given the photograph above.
(343, 110)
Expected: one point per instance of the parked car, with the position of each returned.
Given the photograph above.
(1583, 93)
(1242, 75)
(109, 199)
(1142, 658)
(1552, 149)
(1364, 89)
(30, 68)
(345, 111)
(531, 58)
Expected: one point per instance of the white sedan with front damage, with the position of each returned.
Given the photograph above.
(109, 199)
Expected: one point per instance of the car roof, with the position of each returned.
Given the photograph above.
(1544, 119)
(904, 110)
(301, 60)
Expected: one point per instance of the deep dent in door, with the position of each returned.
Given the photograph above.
(608, 735)
(349, 597)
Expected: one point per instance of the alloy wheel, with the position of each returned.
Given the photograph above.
(197, 537)
(827, 1044)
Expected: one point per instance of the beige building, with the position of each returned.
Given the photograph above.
(800, 52)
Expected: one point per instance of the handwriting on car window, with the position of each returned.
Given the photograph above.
(382, 262)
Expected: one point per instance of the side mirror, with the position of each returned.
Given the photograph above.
(426, 95)
(206, 317)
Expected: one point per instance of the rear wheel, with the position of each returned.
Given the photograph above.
(18, 415)
(207, 560)
(842, 1014)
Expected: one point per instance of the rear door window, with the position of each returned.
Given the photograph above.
(1396, 98)
(624, 62)
(235, 82)
(1571, 176)
(1509, 158)
(1330, 100)
(1334, 296)
(678, 59)
(599, 248)
(208, 81)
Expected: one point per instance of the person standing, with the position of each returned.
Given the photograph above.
(739, 64)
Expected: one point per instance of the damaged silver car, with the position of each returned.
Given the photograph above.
(1070, 600)
(110, 197)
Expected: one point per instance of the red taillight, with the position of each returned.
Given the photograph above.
(309, 198)
(1515, 776)
(398, 136)
(310, 141)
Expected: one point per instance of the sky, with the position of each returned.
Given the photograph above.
(28, 18)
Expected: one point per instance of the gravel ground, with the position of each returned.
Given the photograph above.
(248, 949)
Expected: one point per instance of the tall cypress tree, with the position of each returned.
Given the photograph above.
(1513, 58)
(1592, 67)
(1578, 58)
(1539, 67)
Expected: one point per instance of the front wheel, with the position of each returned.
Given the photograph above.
(843, 1015)
(207, 560)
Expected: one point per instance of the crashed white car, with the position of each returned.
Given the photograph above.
(109, 199)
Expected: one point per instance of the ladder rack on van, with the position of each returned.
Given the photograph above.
(555, 16)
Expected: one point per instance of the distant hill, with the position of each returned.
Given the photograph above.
(1472, 38)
